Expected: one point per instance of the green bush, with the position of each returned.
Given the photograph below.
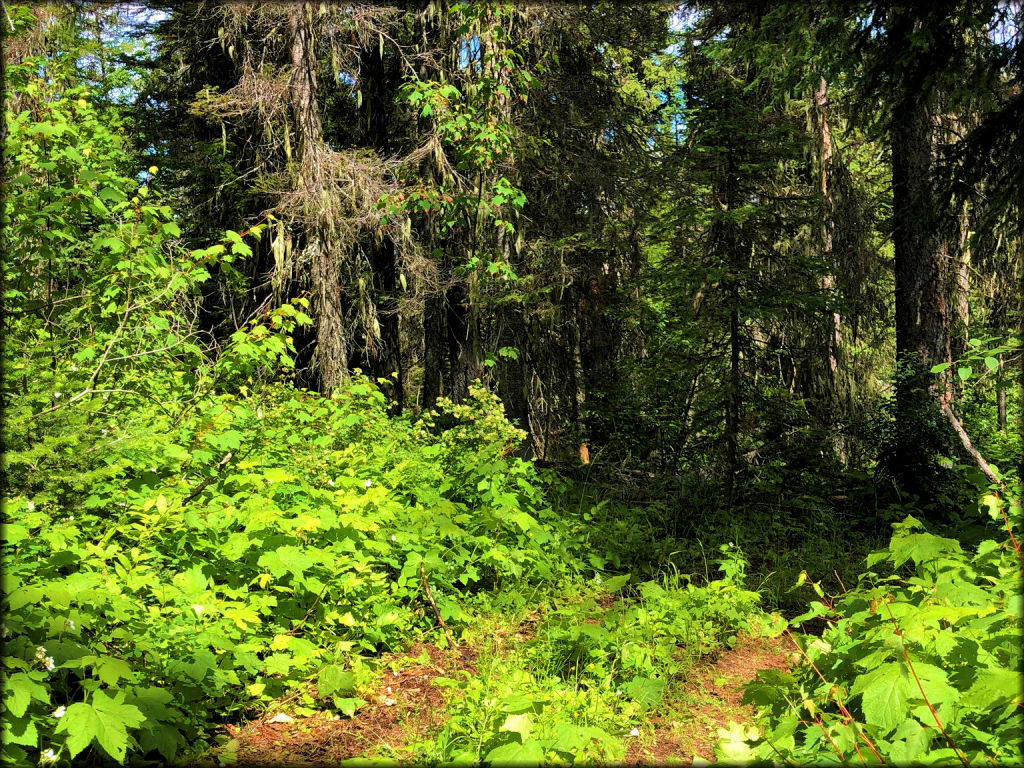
(920, 663)
(252, 549)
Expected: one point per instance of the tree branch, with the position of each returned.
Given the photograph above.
(430, 597)
(978, 458)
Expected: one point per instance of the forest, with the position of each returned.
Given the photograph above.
(502, 383)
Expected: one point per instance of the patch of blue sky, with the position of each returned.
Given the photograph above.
(469, 53)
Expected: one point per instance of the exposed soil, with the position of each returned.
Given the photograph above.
(406, 706)
(710, 700)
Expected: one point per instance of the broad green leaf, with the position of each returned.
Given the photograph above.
(646, 691)
(20, 690)
(110, 670)
(81, 723)
(20, 730)
(116, 718)
(335, 679)
(884, 695)
(615, 583)
(521, 724)
(13, 533)
(514, 753)
(992, 687)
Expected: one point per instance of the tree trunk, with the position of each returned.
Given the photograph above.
(377, 82)
(833, 336)
(433, 349)
(734, 401)
(1000, 397)
(921, 264)
(459, 346)
(331, 357)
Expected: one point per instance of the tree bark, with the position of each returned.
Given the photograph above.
(331, 357)
(833, 336)
(433, 349)
(377, 82)
(1000, 397)
(459, 347)
(923, 325)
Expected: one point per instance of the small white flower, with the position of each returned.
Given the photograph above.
(59, 711)
(56, 395)
(394, 538)
(635, 732)
(74, 367)
(389, 689)
(40, 653)
(70, 518)
(389, 702)
(30, 506)
(48, 661)
(367, 483)
(618, 693)
(259, 413)
(70, 624)
(330, 483)
(197, 608)
(103, 431)
(48, 756)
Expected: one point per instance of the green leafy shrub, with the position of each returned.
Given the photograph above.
(920, 663)
(250, 550)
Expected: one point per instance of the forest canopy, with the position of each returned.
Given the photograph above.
(334, 332)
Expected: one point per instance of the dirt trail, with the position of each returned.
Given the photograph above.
(709, 700)
(406, 706)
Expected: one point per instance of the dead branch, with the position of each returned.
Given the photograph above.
(199, 488)
(978, 458)
(430, 597)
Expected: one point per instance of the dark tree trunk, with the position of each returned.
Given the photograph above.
(433, 349)
(459, 343)
(387, 363)
(378, 83)
(922, 265)
(1000, 397)
(735, 399)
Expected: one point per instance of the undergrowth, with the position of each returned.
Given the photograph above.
(919, 663)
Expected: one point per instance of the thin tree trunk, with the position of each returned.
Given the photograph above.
(1000, 397)
(734, 402)
(833, 337)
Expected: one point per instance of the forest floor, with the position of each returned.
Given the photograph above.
(407, 706)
